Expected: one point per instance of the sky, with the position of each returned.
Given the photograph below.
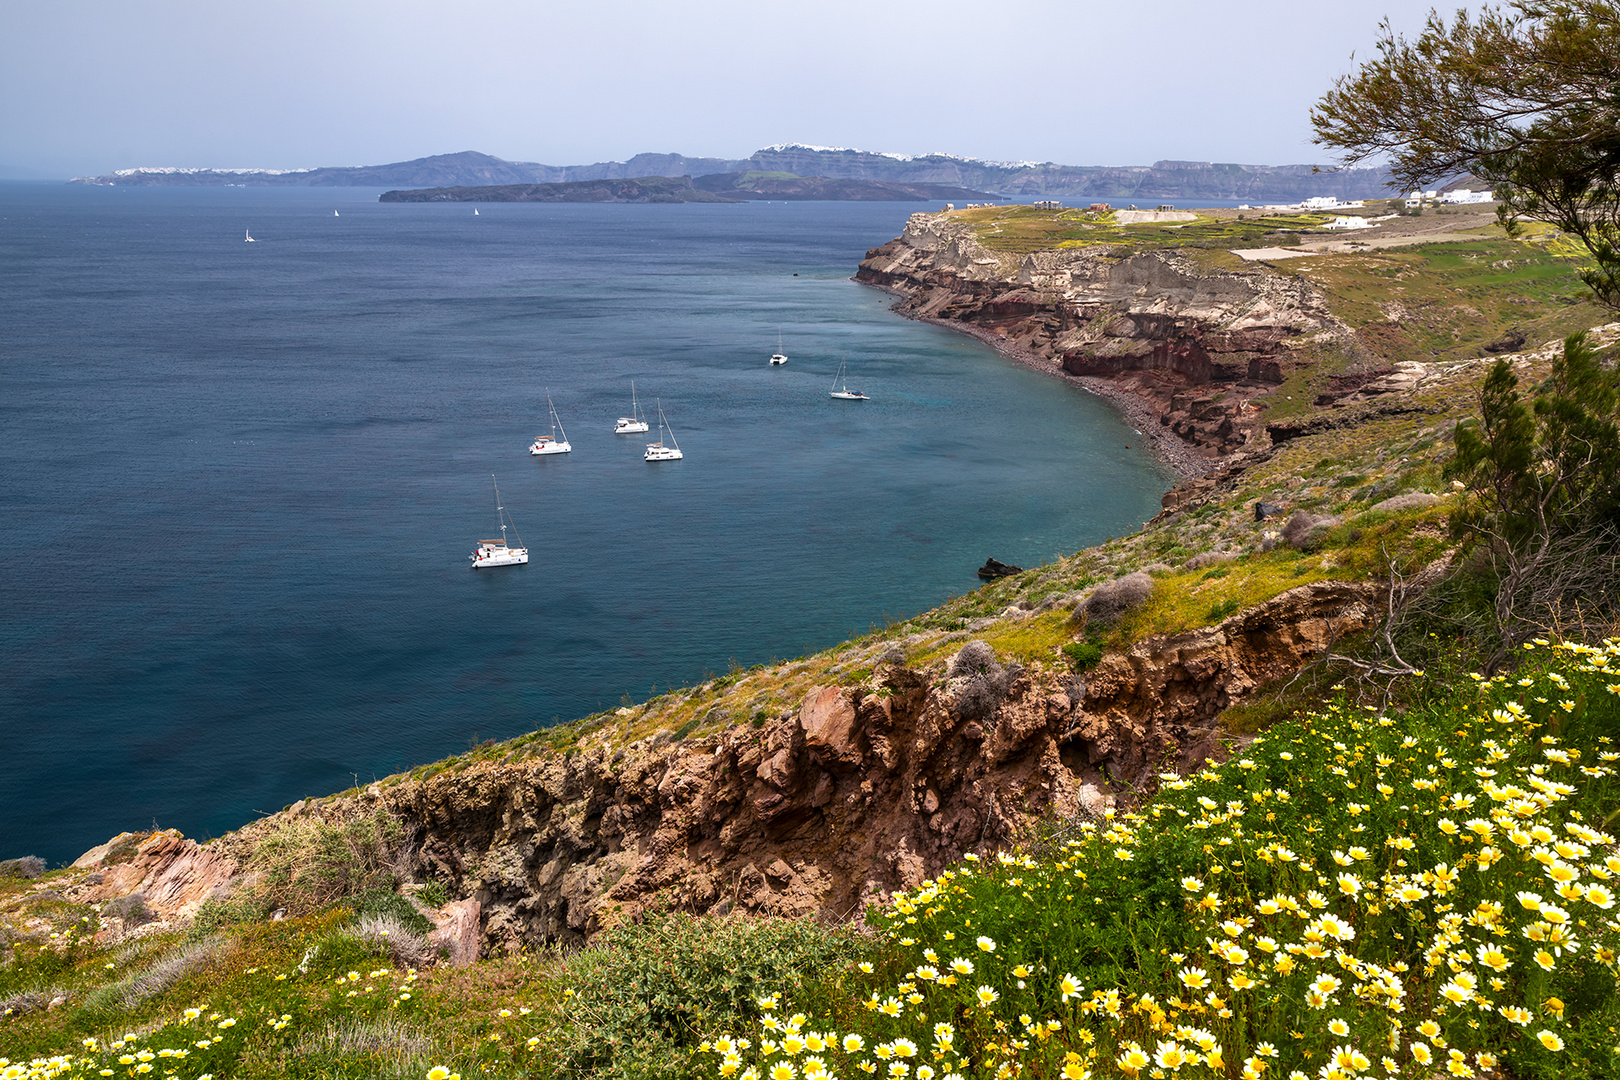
(88, 86)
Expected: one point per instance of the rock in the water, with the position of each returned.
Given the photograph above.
(995, 568)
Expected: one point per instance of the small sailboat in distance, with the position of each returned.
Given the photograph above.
(495, 552)
(658, 451)
(635, 423)
(475, 211)
(841, 389)
(778, 358)
(550, 444)
(335, 213)
(249, 234)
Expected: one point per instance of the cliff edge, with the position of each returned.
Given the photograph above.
(1198, 350)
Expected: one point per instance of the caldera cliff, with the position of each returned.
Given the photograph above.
(1198, 349)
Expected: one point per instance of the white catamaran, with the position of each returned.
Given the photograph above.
(551, 444)
(635, 423)
(841, 389)
(658, 451)
(495, 552)
(778, 358)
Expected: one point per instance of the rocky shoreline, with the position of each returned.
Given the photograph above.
(1140, 411)
(1188, 355)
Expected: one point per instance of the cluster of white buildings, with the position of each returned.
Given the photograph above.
(1457, 197)
(1327, 202)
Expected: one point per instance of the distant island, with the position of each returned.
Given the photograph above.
(1163, 180)
(715, 188)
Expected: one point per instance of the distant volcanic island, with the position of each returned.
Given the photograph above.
(715, 188)
(787, 171)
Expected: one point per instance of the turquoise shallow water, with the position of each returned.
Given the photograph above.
(239, 482)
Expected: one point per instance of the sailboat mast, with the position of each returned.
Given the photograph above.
(500, 511)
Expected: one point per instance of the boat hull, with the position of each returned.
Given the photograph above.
(485, 558)
(778, 360)
(663, 453)
(842, 395)
(541, 449)
(626, 426)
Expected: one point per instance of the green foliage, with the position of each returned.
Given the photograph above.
(391, 904)
(1543, 478)
(1551, 466)
(641, 998)
(1419, 890)
(1522, 98)
(307, 864)
(1084, 655)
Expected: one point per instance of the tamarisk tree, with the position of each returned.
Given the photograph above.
(1543, 505)
(1526, 98)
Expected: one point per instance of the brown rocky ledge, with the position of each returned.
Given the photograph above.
(864, 790)
(1187, 354)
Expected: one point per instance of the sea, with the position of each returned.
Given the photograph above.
(240, 482)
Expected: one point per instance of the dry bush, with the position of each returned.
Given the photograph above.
(1412, 500)
(132, 909)
(1112, 599)
(158, 976)
(29, 866)
(1304, 529)
(27, 1001)
(400, 1048)
(307, 864)
(976, 682)
(406, 947)
(1208, 558)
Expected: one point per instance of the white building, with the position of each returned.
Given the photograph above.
(1465, 196)
(1350, 223)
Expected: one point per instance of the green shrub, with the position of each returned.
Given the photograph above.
(1435, 888)
(1083, 654)
(307, 864)
(643, 996)
(384, 902)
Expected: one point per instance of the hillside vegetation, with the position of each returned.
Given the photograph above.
(1384, 868)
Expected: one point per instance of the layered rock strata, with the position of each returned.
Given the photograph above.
(863, 790)
(1199, 347)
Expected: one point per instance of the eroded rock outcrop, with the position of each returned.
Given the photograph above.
(863, 790)
(1201, 345)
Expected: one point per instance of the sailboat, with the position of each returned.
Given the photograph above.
(841, 389)
(495, 552)
(475, 211)
(249, 233)
(635, 423)
(658, 451)
(550, 444)
(335, 213)
(778, 358)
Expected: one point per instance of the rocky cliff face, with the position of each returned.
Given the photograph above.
(863, 790)
(1202, 347)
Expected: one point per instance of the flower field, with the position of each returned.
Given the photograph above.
(1352, 895)
(1423, 895)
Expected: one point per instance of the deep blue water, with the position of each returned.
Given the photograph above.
(239, 482)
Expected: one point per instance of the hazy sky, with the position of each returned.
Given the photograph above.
(91, 85)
